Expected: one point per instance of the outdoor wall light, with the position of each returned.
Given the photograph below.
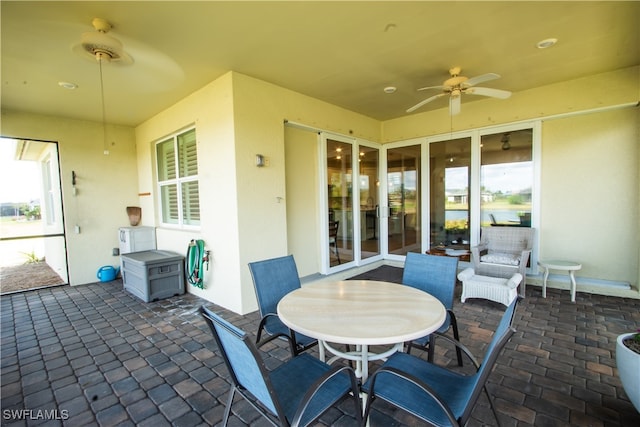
(259, 160)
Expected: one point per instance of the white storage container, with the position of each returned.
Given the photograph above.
(137, 239)
(153, 275)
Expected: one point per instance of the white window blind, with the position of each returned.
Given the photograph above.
(177, 161)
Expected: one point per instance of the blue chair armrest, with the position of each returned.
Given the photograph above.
(318, 387)
(404, 376)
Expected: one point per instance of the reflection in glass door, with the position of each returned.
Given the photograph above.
(340, 202)
(449, 166)
(369, 184)
(506, 178)
(403, 189)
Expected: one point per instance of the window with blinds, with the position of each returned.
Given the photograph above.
(177, 159)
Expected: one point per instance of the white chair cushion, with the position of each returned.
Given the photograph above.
(501, 258)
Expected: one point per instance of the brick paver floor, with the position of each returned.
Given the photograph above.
(95, 355)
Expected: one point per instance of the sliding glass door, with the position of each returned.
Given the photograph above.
(506, 178)
(436, 193)
(369, 190)
(449, 201)
(353, 226)
(340, 201)
(404, 198)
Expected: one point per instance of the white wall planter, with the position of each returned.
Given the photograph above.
(628, 363)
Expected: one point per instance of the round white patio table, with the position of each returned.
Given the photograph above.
(568, 266)
(361, 313)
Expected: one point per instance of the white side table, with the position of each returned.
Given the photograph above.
(568, 266)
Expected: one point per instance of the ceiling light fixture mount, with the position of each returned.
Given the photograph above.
(68, 85)
(546, 43)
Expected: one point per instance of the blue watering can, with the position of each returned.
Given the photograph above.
(107, 273)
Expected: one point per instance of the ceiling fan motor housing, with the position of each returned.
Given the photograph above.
(101, 44)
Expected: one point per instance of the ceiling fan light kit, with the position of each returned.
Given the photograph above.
(457, 85)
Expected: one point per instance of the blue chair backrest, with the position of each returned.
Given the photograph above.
(241, 358)
(273, 279)
(500, 337)
(433, 274)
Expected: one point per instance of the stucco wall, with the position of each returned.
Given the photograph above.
(589, 202)
(303, 211)
(243, 207)
(211, 110)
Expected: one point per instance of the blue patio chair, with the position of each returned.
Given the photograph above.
(294, 394)
(435, 394)
(272, 280)
(435, 275)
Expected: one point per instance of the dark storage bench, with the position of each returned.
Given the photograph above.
(153, 275)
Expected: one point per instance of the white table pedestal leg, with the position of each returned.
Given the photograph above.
(573, 286)
(544, 283)
(321, 355)
(365, 362)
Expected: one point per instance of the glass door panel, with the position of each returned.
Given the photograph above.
(506, 178)
(449, 166)
(403, 182)
(340, 202)
(369, 201)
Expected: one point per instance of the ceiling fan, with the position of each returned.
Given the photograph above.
(102, 46)
(135, 65)
(458, 85)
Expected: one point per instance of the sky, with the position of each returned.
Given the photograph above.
(19, 180)
(504, 177)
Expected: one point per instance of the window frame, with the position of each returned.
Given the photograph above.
(178, 182)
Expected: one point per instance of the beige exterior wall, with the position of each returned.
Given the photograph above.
(211, 111)
(106, 184)
(303, 211)
(243, 208)
(589, 202)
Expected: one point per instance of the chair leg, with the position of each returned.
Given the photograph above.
(456, 336)
(431, 351)
(409, 346)
(293, 345)
(227, 410)
(337, 252)
(493, 407)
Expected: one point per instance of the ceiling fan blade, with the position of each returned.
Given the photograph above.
(431, 87)
(426, 101)
(481, 79)
(454, 105)
(486, 91)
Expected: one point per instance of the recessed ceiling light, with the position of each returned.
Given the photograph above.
(390, 89)
(543, 44)
(67, 85)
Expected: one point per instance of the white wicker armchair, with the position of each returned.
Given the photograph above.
(503, 251)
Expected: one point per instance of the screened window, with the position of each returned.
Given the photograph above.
(177, 159)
